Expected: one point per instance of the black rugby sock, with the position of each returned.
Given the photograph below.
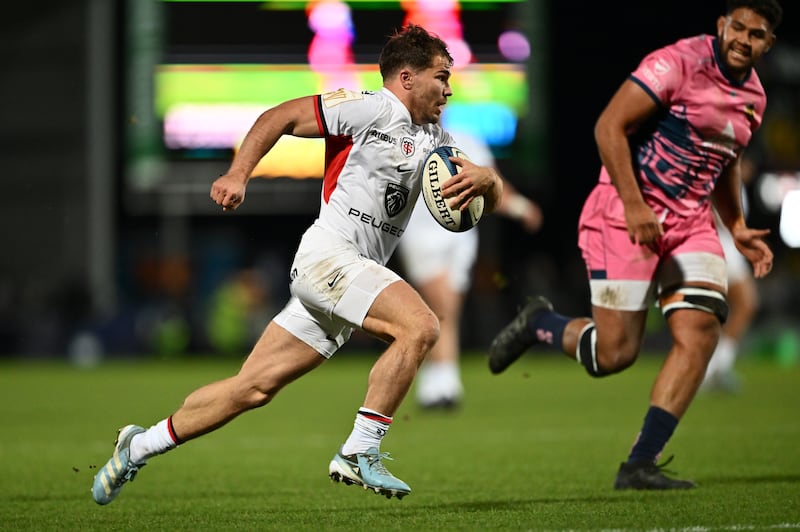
(548, 327)
(656, 431)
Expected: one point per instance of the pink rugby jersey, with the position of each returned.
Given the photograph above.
(707, 119)
(374, 155)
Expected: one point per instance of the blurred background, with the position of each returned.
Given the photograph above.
(117, 116)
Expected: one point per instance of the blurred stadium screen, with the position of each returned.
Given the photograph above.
(204, 71)
(206, 109)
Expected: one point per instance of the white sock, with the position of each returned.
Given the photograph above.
(450, 379)
(155, 440)
(369, 429)
(437, 381)
(425, 383)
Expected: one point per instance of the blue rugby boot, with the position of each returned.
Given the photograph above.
(367, 470)
(119, 469)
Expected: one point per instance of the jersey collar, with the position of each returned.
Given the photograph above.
(392, 96)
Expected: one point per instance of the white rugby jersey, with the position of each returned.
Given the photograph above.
(373, 161)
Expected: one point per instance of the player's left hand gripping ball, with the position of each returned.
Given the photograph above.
(437, 170)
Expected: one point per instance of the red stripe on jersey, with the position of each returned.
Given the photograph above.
(337, 149)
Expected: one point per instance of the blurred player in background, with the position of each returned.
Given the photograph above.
(376, 143)
(671, 141)
(743, 301)
(439, 264)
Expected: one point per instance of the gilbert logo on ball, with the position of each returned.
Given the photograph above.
(437, 170)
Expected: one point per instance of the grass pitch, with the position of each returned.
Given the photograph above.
(535, 448)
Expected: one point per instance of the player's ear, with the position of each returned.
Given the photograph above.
(721, 21)
(770, 42)
(407, 78)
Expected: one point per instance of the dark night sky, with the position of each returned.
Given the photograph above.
(594, 47)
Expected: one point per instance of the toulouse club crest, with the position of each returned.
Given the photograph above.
(395, 199)
(407, 145)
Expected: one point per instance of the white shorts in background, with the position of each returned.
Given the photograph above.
(333, 287)
(427, 250)
(738, 267)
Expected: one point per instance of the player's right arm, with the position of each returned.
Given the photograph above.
(296, 117)
(629, 107)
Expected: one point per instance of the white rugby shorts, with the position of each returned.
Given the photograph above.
(333, 287)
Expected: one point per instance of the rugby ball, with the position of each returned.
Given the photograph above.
(437, 170)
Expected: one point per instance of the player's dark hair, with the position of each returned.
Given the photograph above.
(412, 46)
(769, 9)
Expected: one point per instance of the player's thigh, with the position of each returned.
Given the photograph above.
(278, 358)
(694, 332)
(399, 311)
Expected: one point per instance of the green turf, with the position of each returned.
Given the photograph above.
(533, 449)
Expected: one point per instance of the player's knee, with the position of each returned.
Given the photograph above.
(419, 332)
(606, 359)
(615, 359)
(617, 354)
(258, 396)
(249, 394)
(425, 331)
